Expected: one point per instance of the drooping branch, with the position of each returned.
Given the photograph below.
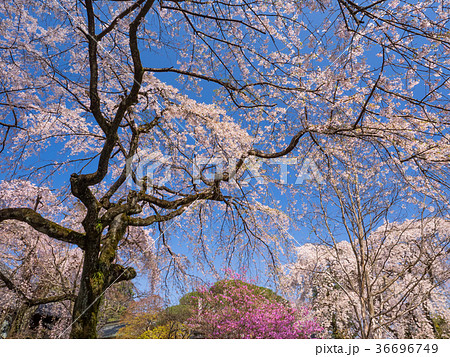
(147, 221)
(353, 130)
(291, 146)
(226, 84)
(43, 225)
(35, 301)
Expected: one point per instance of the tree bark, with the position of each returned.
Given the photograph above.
(99, 272)
(87, 304)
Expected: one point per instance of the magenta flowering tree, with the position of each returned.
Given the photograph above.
(236, 309)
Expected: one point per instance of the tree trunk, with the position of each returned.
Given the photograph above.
(99, 272)
(87, 304)
(20, 322)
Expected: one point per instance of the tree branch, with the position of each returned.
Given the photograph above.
(93, 69)
(119, 17)
(39, 223)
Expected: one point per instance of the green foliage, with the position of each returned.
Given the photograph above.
(222, 285)
(187, 299)
(441, 327)
(176, 313)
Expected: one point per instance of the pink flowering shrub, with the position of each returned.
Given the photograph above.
(236, 309)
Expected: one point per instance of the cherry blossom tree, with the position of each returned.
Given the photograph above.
(374, 273)
(34, 270)
(110, 93)
(401, 295)
(38, 274)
